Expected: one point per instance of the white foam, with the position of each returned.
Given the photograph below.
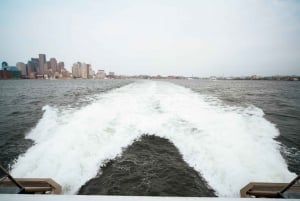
(230, 146)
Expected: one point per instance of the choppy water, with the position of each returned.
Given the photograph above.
(230, 132)
(151, 166)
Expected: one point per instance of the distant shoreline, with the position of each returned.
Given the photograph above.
(272, 78)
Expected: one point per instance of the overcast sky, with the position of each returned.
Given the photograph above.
(178, 37)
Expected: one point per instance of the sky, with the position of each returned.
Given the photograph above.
(156, 37)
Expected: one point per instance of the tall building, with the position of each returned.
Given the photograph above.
(30, 67)
(85, 71)
(22, 67)
(42, 61)
(35, 64)
(76, 70)
(47, 67)
(91, 72)
(53, 65)
(60, 67)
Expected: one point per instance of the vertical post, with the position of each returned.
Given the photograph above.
(12, 179)
(290, 184)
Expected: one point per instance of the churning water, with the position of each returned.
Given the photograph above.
(228, 144)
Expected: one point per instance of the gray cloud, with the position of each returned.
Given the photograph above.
(199, 38)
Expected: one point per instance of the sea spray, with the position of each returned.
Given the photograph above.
(228, 145)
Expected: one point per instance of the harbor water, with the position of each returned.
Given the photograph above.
(218, 135)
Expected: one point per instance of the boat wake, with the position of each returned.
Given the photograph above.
(229, 146)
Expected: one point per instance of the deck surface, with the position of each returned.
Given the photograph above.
(6, 197)
(266, 189)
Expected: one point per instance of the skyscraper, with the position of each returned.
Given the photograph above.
(47, 67)
(91, 71)
(31, 68)
(35, 64)
(53, 64)
(60, 67)
(76, 71)
(22, 67)
(85, 71)
(42, 61)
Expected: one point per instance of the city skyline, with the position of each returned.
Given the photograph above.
(40, 68)
(191, 38)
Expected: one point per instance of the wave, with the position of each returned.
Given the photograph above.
(229, 146)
